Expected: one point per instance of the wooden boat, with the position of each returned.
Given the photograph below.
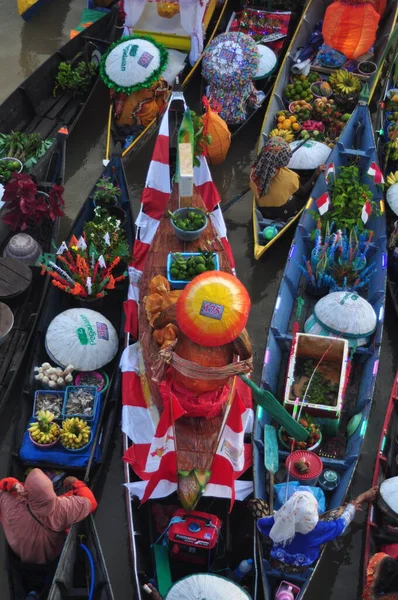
(341, 451)
(190, 442)
(27, 308)
(178, 44)
(87, 464)
(33, 108)
(312, 15)
(378, 531)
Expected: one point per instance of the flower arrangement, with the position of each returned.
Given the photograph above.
(106, 193)
(26, 206)
(80, 270)
(105, 233)
(338, 260)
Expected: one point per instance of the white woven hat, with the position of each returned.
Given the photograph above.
(83, 338)
(267, 62)
(206, 586)
(343, 313)
(309, 156)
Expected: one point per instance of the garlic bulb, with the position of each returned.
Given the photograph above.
(69, 378)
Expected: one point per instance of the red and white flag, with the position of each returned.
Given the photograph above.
(366, 211)
(375, 173)
(330, 171)
(323, 203)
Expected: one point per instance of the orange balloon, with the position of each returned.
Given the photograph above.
(350, 29)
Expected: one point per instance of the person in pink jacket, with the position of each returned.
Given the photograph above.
(35, 519)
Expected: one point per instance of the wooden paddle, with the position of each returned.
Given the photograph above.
(274, 408)
(271, 461)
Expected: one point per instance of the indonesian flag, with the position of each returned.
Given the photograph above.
(148, 437)
(366, 211)
(323, 203)
(329, 171)
(375, 173)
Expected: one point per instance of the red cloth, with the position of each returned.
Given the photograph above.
(32, 542)
(207, 404)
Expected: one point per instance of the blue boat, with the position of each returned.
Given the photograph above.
(356, 144)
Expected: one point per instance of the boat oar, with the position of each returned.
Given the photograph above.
(228, 205)
(271, 461)
(274, 408)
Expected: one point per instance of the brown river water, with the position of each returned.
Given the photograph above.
(23, 47)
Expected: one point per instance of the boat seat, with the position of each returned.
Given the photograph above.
(162, 564)
(352, 152)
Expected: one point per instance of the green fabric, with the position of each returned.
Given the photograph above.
(163, 573)
(89, 16)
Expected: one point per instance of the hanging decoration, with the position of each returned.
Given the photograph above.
(350, 26)
(217, 129)
(168, 9)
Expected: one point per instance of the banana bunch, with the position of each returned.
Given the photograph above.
(75, 433)
(344, 82)
(392, 178)
(44, 430)
(283, 133)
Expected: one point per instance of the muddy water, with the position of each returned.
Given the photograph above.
(22, 48)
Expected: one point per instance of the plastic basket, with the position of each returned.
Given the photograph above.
(56, 393)
(71, 388)
(179, 284)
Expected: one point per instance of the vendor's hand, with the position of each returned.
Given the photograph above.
(18, 488)
(320, 169)
(69, 481)
(152, 592)
(368, 496)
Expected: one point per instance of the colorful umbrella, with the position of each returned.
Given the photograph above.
(213, 308)
(133, 63)
(231, 60)
(81, 337)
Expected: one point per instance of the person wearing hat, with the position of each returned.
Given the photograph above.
(297, 533)
(277, 189)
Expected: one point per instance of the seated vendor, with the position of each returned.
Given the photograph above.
(276, 188)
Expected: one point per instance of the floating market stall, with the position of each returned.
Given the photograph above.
(71, 380)
(320, 81)
(323, 347)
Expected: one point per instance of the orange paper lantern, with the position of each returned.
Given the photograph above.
(213, 309)
(216, 127)
(350, 27)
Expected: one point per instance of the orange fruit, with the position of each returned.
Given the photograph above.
(295, 126)
(286, 124)
(281, 119)
(292, 119)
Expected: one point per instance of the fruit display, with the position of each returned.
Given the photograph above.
(392, 117)
(283, 133)
(44, 431)
(193, 220)
(53, 378)
(392, 178)
(7, 167)
(345, 83)
(75, 433)
(185, 269)
(299, 89)
(313, 126)
(313, 437)
(288, 123)
(321, 89)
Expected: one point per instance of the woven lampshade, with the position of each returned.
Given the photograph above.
(343, 313)
(83, 338)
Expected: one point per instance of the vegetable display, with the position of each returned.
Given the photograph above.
(26, 147)
(76, 79)
(185, 269)
(53, 378)
(7, 167)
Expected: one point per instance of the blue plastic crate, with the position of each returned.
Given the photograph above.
(179, 284)
(57, 393)
(87, 418)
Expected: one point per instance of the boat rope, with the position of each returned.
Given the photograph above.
(193, 370)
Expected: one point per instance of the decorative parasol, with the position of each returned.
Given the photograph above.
(81, 337)
(133, 63)
(309, 156)
(213, 308)
(343, 313)
(231, 60)
(206, 586)
(267, 62)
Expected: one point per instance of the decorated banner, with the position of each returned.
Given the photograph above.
(323, 203)
(330, 170)
(366, 211)
(375, 173)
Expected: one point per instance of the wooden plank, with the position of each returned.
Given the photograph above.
(15, 277)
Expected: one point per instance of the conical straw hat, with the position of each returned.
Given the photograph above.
(83, 338)
(206, 586)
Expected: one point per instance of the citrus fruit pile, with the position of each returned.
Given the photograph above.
(44, 431)
(288, 123)
(299, 89)
(313, 437)
(7, 167)
(185, 269)
(194, 220)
